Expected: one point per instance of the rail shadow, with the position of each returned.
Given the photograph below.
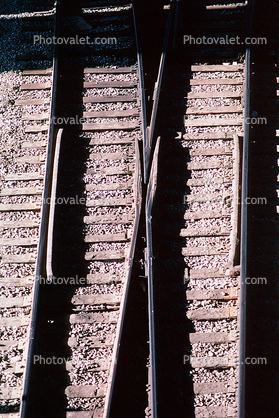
(262, 374)
(172, 328)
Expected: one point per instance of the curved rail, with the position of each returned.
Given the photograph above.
(124, 301)
(138, 204)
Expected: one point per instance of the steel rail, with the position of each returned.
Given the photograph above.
(147, 155)
(40, 263)
(244, 225)
(124, 300)
(138, 208)
(150, 162)
(243, 244)
(141, 86)
(150, 196)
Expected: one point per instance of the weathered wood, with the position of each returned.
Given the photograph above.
(212, 151)
(108, 84)
(47, 71)
(105, 255)
(94, 366)
(101, 299)
(37, 159)
(99, 342)
(209, 136)
(109, 99)
(39, 116)
(26, 281)
(36, 86)
(208, 165)
(22, 242)
(212, 197)
(111, 141)
(34, 145)
(216, 81)
(111, 171)
(31, 102)
(213, 122)
(214, 411)
(7, 344)
(112, 113)
(203, 181)
(24, 223)
(215, 387)
(216, 294)
(84, 414)
(204, 273)
(110, 202)
(102, 278)
(108, 219)
(204, 314)
(110, 126)
(10, 393)
(14, 321)
(94, 317)
(204, 232)
(214, 68)
(198, 251)
(106, 70)
(84, 391)
(212, 337)
(36, 128)
(20, 207)
(226, 6)
(213, 362)
(109, 186)
(15, 302)
(213, 109)
(17, 259)
(106, 238)
(97, 413)
(207, 214)
(23, 177)
(19, 191)
(111, 155)
(214, 94)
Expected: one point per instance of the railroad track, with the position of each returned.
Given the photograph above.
(70, 212)
(194, 221)
(202, 224)
(25, 110)
(93, 216)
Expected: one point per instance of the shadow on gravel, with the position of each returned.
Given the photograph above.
(262, 356)
(175, 386)
(69, 251)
